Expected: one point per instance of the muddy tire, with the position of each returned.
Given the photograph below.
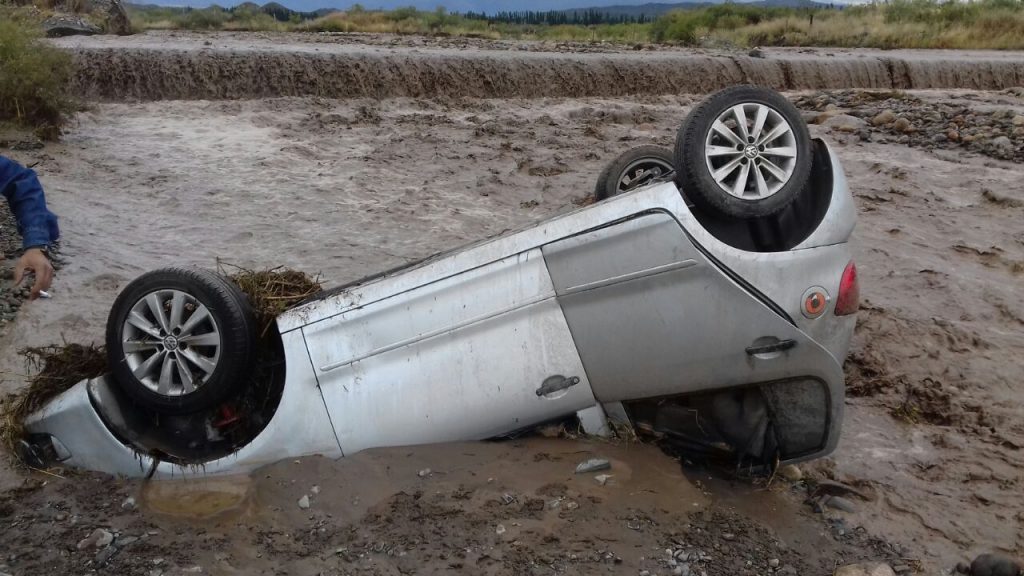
(632, 169)
(181, 340)
(744, 152)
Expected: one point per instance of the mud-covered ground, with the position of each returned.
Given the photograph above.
(933, 433)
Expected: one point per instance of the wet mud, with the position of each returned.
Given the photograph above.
(174, 65)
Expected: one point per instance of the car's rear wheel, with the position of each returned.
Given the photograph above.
(181, 340)
(632, 169)
(745, 152)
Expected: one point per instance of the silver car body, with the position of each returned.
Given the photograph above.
(626, 299)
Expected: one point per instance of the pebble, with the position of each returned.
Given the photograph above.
(126, 541)
(791, 472)
(774, 563)
(840, 503)
(756, 53)
(314, 490)
(499, 529)
(105, 554)
(128, 504)
(1018, 120)
(304, 502)
(1003, 145)
(99, 538)
(593, 465)
(728, 536)
(423, 473)
(602, 479)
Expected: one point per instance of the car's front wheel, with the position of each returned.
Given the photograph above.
(632, 169)
(181, 340)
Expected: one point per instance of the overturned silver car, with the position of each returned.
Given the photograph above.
(708, 303)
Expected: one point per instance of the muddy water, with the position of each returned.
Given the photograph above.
(352, 187)
(162, 66)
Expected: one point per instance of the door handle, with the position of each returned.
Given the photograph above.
(556, 383)
(769, 348)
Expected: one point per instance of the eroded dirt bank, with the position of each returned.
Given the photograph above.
(933, 431)
(166, 66)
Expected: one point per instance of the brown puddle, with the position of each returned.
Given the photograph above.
(197, 498)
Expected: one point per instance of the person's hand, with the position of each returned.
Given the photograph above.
(35, 260)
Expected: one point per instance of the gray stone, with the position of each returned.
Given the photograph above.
(61, 25)
(1018, 120)
(423, 473)
(304, 502)
(99, 538)
(773, 563)
(756, 53)
(840, 503)
(845, 123)
(126, 541)
(1002, 144)
(593, 465)
(128, 504)
(602, 479)
(106, 554)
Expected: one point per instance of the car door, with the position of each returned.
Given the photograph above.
(652, 315)
(469, 356)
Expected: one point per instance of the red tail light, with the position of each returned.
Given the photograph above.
(849, 291)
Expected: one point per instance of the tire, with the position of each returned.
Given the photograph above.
(638, 166)
(186, 360)
(702, 146)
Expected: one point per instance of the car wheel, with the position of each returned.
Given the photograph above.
(744, 152)
(633, 169)
(181, 340)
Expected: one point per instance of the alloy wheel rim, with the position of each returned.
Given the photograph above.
(751, 151)
(171, 342)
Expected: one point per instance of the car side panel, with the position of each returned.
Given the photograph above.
(652, 316)
(457, 359)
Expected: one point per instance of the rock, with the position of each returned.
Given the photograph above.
(773, 563)
(423, 473)
(728, 536)
(304, 502)
(105, 554)
(499, 529)
(1002, 145)
(939, 138)
(69, 25)
(128, 504)
(903, 125)
(99, 538)
(112, 12)
(995, 565)
(314, 490)
(902, 569)
(791, 472)
(126, 541)
(845, 123)
(1018, 120)
(885, 117)
(903, 139)
(787, 570)
(593, 465)
(865, 569)
(602, 479)
(953, 136)
(756, 52)
(1018, 132)
(840, 503)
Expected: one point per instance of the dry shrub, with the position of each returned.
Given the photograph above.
(57, 368)
(271, 291)
(34, 76)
